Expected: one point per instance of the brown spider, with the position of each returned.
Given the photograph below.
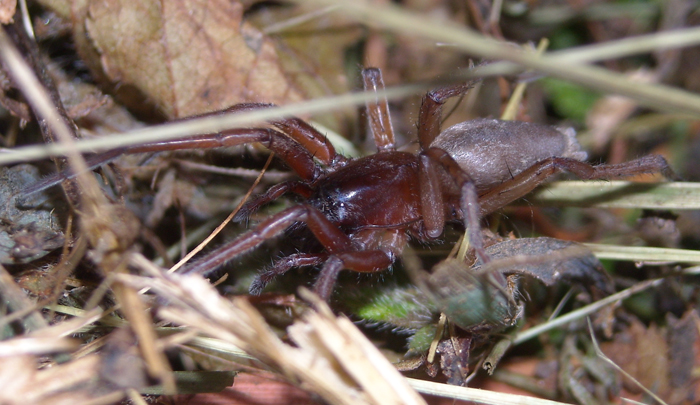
(363, 211)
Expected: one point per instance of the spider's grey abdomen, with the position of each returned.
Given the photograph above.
(492, 151)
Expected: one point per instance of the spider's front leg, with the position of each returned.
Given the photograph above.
(342, 252)
(297, 145)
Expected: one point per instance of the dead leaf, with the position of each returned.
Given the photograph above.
(643, 353)
(190, 57)
(186, 56)
(551, 261)
(7, 10)
(683, 340)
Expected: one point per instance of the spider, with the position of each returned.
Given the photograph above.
(364, 211)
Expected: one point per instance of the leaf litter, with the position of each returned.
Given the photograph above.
(176, 59)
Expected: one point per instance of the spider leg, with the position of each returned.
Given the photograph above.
(378, 116)
(283, 265)
(267, 229)
(93, 162)
(469, 201)
(430, 115)
(293, 153)
(298, 146)
(312, 140)
(432, 202)
(376, 250)
(532, 177)
(362, 261)
(273, 193)
(339, 246)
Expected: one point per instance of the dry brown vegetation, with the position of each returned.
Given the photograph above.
(90, 314)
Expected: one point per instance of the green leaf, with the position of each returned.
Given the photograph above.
(570, 101)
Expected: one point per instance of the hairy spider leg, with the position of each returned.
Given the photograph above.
(342, 253)
(278, 190)
(290, 151)
(313, 141)
(431, 197)
(282, 266)
(298, 146)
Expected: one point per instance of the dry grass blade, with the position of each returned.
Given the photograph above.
(645, 253)
(356, 354)
(77, 381)
(620, 194)
(35, 346)
(69, 383)
(629, 46)
(332, 359)
(476, 395)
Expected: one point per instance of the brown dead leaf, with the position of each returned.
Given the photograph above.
(186, 56)
(683, 339)
(7, 10)
(191, 57)
(314, 50)
(643, 353)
